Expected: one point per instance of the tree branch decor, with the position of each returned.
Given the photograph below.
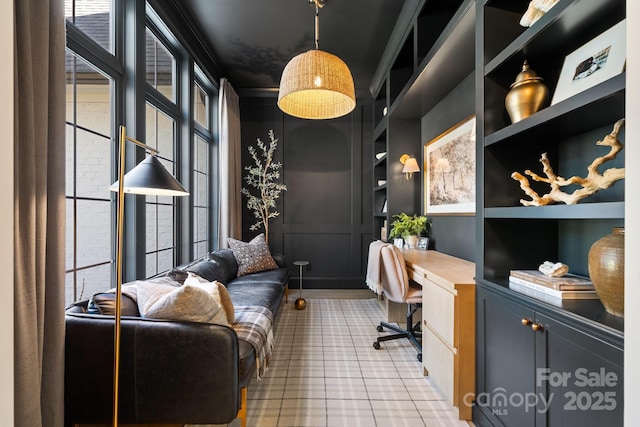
(592, 183)
(263, 176)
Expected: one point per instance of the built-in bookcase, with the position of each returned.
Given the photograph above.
(570, 334)
(435, 54)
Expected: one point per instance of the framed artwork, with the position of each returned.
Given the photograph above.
(423, 243)
(450, 171)
(596, 61)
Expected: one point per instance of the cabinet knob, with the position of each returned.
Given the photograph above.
(537, 327)
(526, 322)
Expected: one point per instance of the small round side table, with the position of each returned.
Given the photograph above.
(300, 304)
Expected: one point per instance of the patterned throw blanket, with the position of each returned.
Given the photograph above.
(254, 325)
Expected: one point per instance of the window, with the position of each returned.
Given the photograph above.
(92, 17)
(98, 89)
(88, 177)
(160, 233)
(200, 105)
(160, 66)
(200, 194)
(202, 177)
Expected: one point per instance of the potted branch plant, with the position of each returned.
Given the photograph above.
(409, 227)
(263, 176)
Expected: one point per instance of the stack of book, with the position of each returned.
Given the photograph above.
(539, 285)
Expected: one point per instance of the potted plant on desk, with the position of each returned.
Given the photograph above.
(409, 227)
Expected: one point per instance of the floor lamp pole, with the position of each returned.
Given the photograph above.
(120, 233)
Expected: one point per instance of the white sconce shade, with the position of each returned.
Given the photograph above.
(410, 166)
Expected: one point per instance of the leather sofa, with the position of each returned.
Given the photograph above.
(171, 372)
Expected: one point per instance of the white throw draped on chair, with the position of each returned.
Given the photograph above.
(373, 277)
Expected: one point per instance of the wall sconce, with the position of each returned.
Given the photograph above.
(410, 166)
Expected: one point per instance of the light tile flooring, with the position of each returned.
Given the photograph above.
(325, 372)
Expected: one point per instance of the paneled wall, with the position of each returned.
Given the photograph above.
(325, 214)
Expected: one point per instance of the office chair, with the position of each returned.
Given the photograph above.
(398, 288)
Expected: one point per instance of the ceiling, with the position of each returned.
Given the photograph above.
(253, 40)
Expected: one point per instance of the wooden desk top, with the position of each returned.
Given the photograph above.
(440, 267)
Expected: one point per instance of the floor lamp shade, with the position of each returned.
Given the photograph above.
(316, 85)
(150, 177)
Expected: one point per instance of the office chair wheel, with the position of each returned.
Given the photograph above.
(376, 345)
(380, 328)
(419, 357)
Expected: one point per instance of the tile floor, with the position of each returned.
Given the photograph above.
(325, 372)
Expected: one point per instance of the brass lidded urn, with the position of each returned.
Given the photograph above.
(527, 95)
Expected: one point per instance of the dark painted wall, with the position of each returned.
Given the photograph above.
(451, 234)
(325, 214)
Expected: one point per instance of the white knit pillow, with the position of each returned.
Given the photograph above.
(217, 290)
(188, 302)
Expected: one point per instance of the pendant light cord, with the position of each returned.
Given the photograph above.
(317, 26)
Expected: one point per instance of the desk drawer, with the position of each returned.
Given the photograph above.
(438, 360)
(416, 276)
(439, 310)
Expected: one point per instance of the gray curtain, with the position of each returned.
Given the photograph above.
(39, 208)
(230, 206)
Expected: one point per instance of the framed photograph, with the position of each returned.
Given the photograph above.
(398, 242)
(598, 60)
(423, 243)
(450, 171)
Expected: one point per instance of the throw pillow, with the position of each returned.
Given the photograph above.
(252, 257)
(187, 302)
(217, 290)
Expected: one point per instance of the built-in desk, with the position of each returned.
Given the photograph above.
(448, 323)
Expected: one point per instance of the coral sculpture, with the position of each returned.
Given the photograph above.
(592, 183)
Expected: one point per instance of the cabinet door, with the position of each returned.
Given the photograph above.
(580, 375)
(505, 360)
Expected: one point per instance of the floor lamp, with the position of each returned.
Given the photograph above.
(150, 178)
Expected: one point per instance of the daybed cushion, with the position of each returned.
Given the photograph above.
(278, 276)
(105, 303)
(253, 256)
(193, 303)
(266, 295)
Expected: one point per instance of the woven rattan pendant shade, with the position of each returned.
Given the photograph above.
(316, 85)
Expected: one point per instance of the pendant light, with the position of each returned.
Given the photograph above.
(316, 84)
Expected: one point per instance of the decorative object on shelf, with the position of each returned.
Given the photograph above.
(384, 207)
(149, 177)
(568, 282)
(553, 269)
(263, 176)
(316, 84)
(596, 61)
(300, 303)
(606, 269)
(423, 243)
(381, 182)
(527, 95)
(536, 10)
(409, 227)
(592, 183)
(410, 166)
(450, 170)
(381, 155)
